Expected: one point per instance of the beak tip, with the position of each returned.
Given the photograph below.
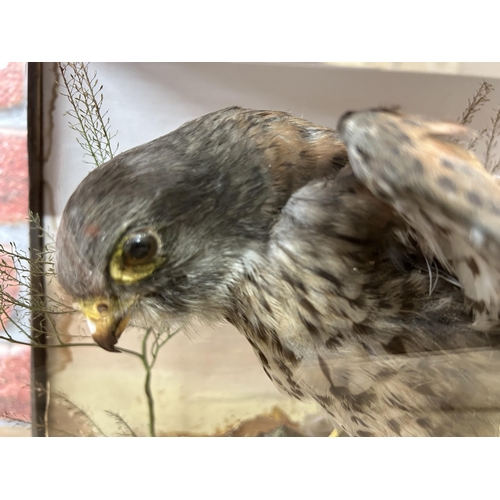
(105, 343)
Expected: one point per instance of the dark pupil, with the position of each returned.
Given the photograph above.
(139, 249)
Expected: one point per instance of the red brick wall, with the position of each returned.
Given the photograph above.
(14, 360)
(11, 84)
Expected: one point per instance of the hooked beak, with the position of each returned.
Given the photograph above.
(107, 317)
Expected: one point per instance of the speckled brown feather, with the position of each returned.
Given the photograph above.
(442, 191)
(295, 150)
(388, 359)
(332, 320)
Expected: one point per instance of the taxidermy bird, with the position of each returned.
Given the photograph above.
(362, 265)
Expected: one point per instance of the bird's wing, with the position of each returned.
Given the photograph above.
(375, 350)
(442, 191)
(372, 347)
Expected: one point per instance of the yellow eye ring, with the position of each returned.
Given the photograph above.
(136, 257)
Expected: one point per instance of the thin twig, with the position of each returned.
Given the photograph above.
(479, 99)
(79, 411)
(121, 422)
(491, 141)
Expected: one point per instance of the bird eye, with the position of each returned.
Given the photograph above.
(140, 248)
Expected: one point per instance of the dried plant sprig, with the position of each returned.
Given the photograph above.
(84, 93)
(487, 136)
(490, 161)
(159, 339)
(478, 137)
(479, 99)
(126, 429)
(18, 300)
(79, 413)
(9, 417)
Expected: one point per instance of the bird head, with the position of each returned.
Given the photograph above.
(164, 227)
(168, 228)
